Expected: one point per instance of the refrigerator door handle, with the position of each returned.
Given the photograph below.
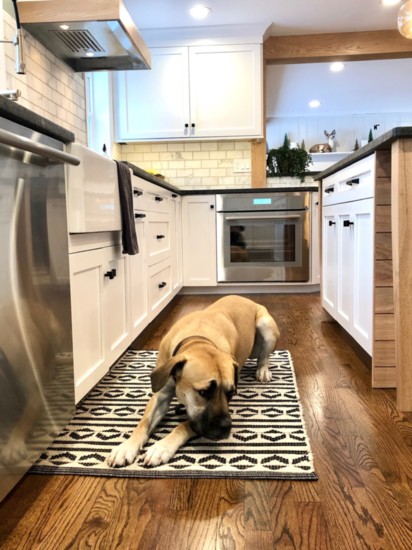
(26, 144)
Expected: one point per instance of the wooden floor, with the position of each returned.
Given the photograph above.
(362, 449)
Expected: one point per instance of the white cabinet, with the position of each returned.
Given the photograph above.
(192, 92)
(347, 252)
(139, 299)
(199, 240)
(100, 312)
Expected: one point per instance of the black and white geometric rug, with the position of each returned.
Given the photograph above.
(268, 439)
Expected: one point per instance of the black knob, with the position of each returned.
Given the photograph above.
(158, 199)
(347, 223)
(137, 215)
(331, 223)
(174, 195)
(186, 125)
(160, 236)
(162, 285)
(110, 274)
(137, 192)
(212, 207)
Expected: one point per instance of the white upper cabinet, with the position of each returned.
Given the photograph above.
(195, 92)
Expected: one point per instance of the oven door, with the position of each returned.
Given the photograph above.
(263, 246)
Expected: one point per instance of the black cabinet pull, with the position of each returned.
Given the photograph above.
(330, 190)
(162, 285)
(137, 192)
(158, 199)
(331, 223)
(355, 181)
(174, 195)
(212, 207)
(193, 124)
(110, 274)
(186, 125)
(160, 236)
(138, 216)
(347, 223)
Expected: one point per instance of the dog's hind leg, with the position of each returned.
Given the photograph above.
(267, 335)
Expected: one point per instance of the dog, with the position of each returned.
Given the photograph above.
(198, 362)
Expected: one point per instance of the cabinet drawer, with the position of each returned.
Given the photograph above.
(158, 237)
(352, 183)
(160, 286)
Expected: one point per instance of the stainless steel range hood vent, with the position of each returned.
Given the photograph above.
(97, 35)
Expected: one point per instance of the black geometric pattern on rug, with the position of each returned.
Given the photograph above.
(268, 439)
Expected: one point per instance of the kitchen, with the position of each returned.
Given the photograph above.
(70, 112)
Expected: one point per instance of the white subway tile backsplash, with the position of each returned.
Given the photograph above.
(192, 165)
(49, 87)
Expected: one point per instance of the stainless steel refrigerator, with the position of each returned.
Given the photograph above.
(36, 360)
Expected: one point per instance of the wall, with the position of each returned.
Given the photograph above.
(194, 164)
(50, 88)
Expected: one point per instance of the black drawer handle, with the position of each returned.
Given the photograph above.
(162, 284)
(347, 223)
(174, 195)
(158, 199)
(137, 192)
(331, 223)
(160, 236)
(138, 216)
(355, 181)
(330, 190)
(110, 274)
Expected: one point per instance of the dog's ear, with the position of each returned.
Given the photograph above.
(162, 373)
(236, 367)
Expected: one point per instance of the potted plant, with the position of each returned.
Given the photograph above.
(288, 161)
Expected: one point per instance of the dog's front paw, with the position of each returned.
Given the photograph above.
(158, 454)
(263, 375)
(14, 452)
(123, 454)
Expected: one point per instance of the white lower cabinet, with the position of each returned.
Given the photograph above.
(139, 299)
(347, 267)
(199, 240)
(100, 311)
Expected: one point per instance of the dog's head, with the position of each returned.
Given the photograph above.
(205, 382)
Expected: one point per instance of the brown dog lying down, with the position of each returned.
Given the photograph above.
(198, 362)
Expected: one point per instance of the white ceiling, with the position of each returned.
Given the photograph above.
(363, 87)
(285, 16)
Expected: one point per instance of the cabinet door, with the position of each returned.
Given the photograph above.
(199, 241)
(87, 283)
(176, 242)
(329, 259)
(138, 283)
(226, 90)
(116, 317)
(154, 104)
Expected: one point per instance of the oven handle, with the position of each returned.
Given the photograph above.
(264, 217)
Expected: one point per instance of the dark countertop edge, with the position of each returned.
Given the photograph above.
(382, 142)
(161, 183)
(11, 110)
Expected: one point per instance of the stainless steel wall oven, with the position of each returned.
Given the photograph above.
(263, 237)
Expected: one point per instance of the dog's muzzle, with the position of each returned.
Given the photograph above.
(215, 429)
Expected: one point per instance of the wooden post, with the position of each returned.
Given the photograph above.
(402, 267)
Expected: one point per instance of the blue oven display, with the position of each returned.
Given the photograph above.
(262, 200)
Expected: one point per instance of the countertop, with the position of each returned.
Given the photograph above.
(11, 110)
(382, 142)
(165, 185)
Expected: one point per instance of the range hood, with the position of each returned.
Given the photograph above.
(89, 35)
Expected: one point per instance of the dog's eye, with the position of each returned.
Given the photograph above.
(202, 393)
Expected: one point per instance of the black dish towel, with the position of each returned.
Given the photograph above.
(129, 237)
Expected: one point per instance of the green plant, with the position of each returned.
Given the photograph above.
(287, 161)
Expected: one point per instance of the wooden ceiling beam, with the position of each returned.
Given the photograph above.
(344, 46)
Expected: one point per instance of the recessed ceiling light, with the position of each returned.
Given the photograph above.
(314, 103)
(89, 54)
(390, 2)
(336, 66)
(199, 11)
(64, 27)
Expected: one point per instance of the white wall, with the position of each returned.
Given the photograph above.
(365, 93)
(49, 88)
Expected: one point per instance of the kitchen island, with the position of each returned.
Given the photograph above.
(392, 255)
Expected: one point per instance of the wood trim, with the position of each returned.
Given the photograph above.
(402, 267)
(259, 146)
(384, 300)
(344, 46)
